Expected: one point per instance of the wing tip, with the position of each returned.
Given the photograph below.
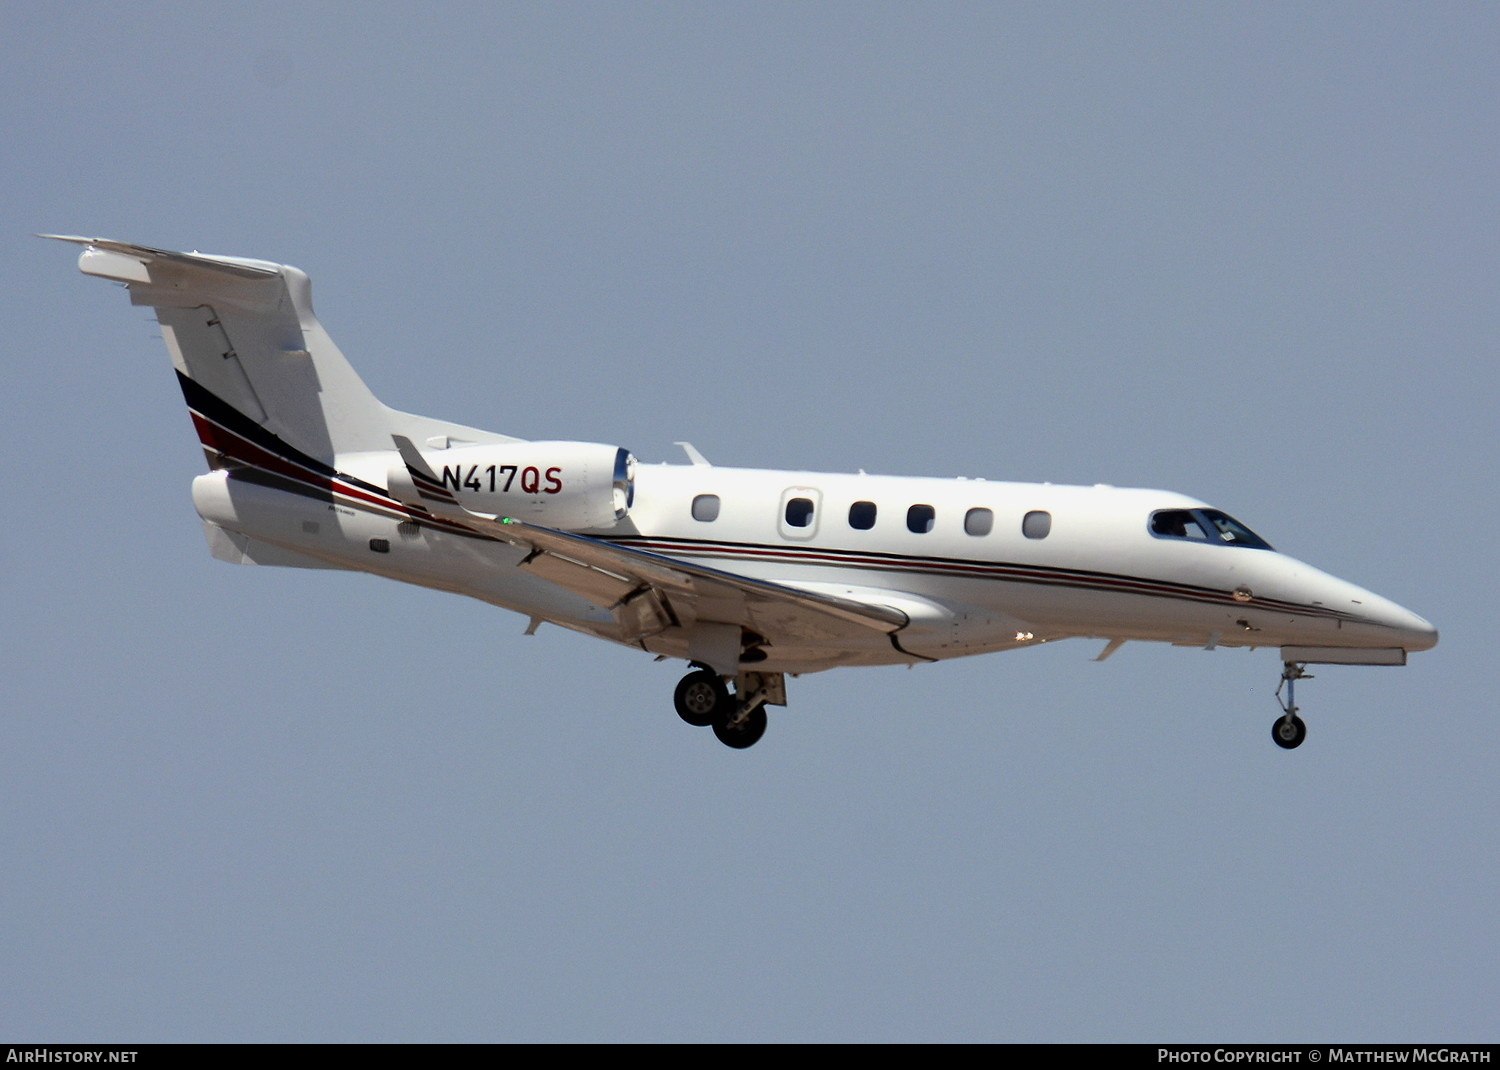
(76, 239)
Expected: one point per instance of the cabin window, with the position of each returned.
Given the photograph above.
(706, 507)
(799, 512)
(979, 522)
(920, 519)
(862, 516)
(1036, 524)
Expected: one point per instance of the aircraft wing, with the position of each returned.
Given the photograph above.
(648, 592)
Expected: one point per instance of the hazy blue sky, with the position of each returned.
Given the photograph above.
(1244, 251)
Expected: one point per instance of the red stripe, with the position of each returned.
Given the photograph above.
(238, 448)
(1015, 573)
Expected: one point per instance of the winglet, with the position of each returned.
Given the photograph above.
(424, 480)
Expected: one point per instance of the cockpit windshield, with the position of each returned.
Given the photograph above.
(1204, 525)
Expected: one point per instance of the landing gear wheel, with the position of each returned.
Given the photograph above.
(1289, 731)
(701, 698)
(744, 734)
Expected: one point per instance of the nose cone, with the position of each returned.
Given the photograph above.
(1381, 621)
(1411, 631)
(1362, 618)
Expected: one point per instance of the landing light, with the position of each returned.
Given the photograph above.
(1022, 637)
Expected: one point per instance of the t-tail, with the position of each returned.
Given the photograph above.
(265, 384)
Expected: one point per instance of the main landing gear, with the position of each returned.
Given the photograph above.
(739, 719)
(1288, 730)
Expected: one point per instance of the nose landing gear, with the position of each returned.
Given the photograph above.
(1288, 731)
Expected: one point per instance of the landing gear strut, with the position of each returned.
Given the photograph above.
(1288, 730)
(738, 719)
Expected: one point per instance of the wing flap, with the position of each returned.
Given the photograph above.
(698, 587)
(597, 585)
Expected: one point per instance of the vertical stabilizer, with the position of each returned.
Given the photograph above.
(243, 338)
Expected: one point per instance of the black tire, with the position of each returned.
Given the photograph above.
(1288, 731)
(701, 698)
(745, 734)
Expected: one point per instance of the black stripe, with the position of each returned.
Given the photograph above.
(216, 410)
(208, 404)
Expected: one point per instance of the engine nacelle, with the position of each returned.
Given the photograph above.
(567, 485)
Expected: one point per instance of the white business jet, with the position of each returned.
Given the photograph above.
(747, 574)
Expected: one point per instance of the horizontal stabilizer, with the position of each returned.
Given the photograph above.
(99, 252)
